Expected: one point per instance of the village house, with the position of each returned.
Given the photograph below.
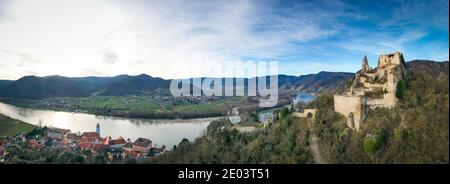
(117, 143)
(128, 151)
(57, 144)
(156, 151)
(19, 139)
(92, 146)
(132, 154)
(92, 141)
(106, 140)
(35, 144)
(56, 133)
(91, 137)
(128, 145)
(142, 145)
(71, 137)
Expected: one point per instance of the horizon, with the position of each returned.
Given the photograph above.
(134, 75)
(161, 39)
(166, 78)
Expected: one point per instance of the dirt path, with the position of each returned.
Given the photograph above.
(313, 141)
(313, 144)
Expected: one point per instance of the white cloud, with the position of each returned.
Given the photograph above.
(160, 38)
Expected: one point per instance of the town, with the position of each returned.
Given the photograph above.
(92, 146)
(63, 140)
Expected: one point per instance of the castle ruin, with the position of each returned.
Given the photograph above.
(371, 88)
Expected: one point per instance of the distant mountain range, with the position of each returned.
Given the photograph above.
(58, 86)
(32, 87)
(432, 68)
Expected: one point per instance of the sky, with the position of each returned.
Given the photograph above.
(162, 38)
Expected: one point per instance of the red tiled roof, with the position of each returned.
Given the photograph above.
(142, 142)
(35, 144)
(107, 140)
(89, 134)
(134, 154)
(118, 141)
(90, 137)
(92, 146)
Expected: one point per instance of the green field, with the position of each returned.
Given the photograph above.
(11, 127)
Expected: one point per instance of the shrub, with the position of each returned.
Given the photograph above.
(349, 83)
(401, 87)
(374, 143)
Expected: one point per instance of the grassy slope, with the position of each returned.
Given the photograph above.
(11, 127)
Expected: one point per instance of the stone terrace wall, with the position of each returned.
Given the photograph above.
(350, 104)
(305, 112)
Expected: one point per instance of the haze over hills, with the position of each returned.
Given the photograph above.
(32, 87)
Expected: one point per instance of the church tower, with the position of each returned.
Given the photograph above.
(98, 129)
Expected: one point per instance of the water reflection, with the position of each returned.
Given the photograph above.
(304, 98)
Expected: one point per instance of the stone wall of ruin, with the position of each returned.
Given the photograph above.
(374, 88)
(347, 105)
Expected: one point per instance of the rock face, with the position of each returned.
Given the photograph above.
(371, 88)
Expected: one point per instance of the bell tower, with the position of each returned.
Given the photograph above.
(98, 129)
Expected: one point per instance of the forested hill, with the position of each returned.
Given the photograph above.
(32, 87)
(416, 131)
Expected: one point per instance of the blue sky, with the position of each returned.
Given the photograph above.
(162, 38)
(417, 28)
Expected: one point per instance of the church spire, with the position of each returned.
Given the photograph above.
(98, 129)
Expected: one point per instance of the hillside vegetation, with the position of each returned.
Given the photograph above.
(416, 131)
(284, 142)
(11, 127)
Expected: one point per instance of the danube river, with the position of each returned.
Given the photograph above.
(161, 132)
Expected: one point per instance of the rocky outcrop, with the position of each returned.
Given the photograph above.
(371, 88)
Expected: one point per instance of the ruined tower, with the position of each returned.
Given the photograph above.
(365, 64)
(371, 88)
